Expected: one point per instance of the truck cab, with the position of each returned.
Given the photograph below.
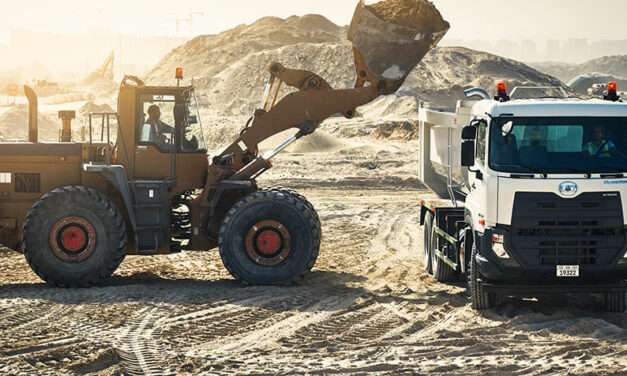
(545, 199)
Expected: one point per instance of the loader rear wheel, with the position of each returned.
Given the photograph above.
(426, 260)
(270, 237)
(74, 237)
(615, 302)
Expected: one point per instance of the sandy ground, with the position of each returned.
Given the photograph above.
(367, 308)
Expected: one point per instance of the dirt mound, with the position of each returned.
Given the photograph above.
(444, 74)
(206, 56)
(319, 142)
(230, 68)
(14, 125)
(609, 65)
(440, 78)
(410, 13)
(238, 88)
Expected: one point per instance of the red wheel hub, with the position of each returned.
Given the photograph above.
(268, 243)
(72, 239)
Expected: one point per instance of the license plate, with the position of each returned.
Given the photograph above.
(568, 271)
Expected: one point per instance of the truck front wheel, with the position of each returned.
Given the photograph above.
(270, 237)
(480, 298)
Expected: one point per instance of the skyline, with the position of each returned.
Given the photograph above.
(139, 45)
(489, 20)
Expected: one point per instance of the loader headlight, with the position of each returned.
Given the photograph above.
(498, 246)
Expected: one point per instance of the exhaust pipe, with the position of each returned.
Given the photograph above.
(476, 92)
(32, 114)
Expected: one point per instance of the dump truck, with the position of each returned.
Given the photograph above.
(142, 182)
(531, 195)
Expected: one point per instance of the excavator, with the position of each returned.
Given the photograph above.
(76, 209)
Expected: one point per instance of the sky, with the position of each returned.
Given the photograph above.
(471, 19)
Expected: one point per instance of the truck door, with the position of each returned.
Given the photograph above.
(155, 152)
(476, 200)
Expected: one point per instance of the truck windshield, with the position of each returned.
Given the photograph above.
(558, 145)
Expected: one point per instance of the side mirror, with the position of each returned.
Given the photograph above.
(469, 133)
(192, 119)
(468, 153)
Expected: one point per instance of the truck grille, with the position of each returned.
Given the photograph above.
(550, 230)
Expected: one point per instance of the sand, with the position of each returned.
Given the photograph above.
(367, 308)
(415, 14)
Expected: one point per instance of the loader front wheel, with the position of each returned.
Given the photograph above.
(74, 237)
(270, 237)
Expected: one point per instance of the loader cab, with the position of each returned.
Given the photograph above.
(160, 135)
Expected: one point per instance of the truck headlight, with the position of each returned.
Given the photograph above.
(498, 246)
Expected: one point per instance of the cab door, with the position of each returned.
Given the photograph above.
(155, 153)
(476, 201)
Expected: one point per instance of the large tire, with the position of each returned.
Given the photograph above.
(426, 255)
(480, 298)
(442, 272)
(615, 302)
(74, 237)
(270, 237)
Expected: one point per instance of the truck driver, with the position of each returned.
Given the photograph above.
(600, 146)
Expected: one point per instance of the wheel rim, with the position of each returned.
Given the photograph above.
(268, 243)
(72, 239)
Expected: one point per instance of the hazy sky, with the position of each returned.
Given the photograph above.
(471, 19)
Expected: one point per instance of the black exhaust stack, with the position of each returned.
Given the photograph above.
(32, 114)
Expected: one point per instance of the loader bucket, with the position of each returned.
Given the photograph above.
(392, 36)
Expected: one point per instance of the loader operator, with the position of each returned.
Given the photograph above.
(155, 131)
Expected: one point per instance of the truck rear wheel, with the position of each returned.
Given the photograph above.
(426, 260)
(480, 298)
(442, 272)
(270, 237)
(74, 237)
(615, 302)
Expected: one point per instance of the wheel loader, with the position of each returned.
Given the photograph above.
(76, 209)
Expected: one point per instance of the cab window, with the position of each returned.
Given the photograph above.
(482, 135)
(157, 125)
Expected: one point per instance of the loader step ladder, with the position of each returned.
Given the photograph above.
(151, 207)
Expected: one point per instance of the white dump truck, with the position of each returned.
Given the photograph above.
(537, 193)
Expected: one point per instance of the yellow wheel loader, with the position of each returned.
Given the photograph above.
(76, 209)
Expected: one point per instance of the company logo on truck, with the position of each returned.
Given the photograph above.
(568, 188)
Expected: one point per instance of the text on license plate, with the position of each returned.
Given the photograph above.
(566, 271)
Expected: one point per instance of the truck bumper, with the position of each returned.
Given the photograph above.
(496, 270)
